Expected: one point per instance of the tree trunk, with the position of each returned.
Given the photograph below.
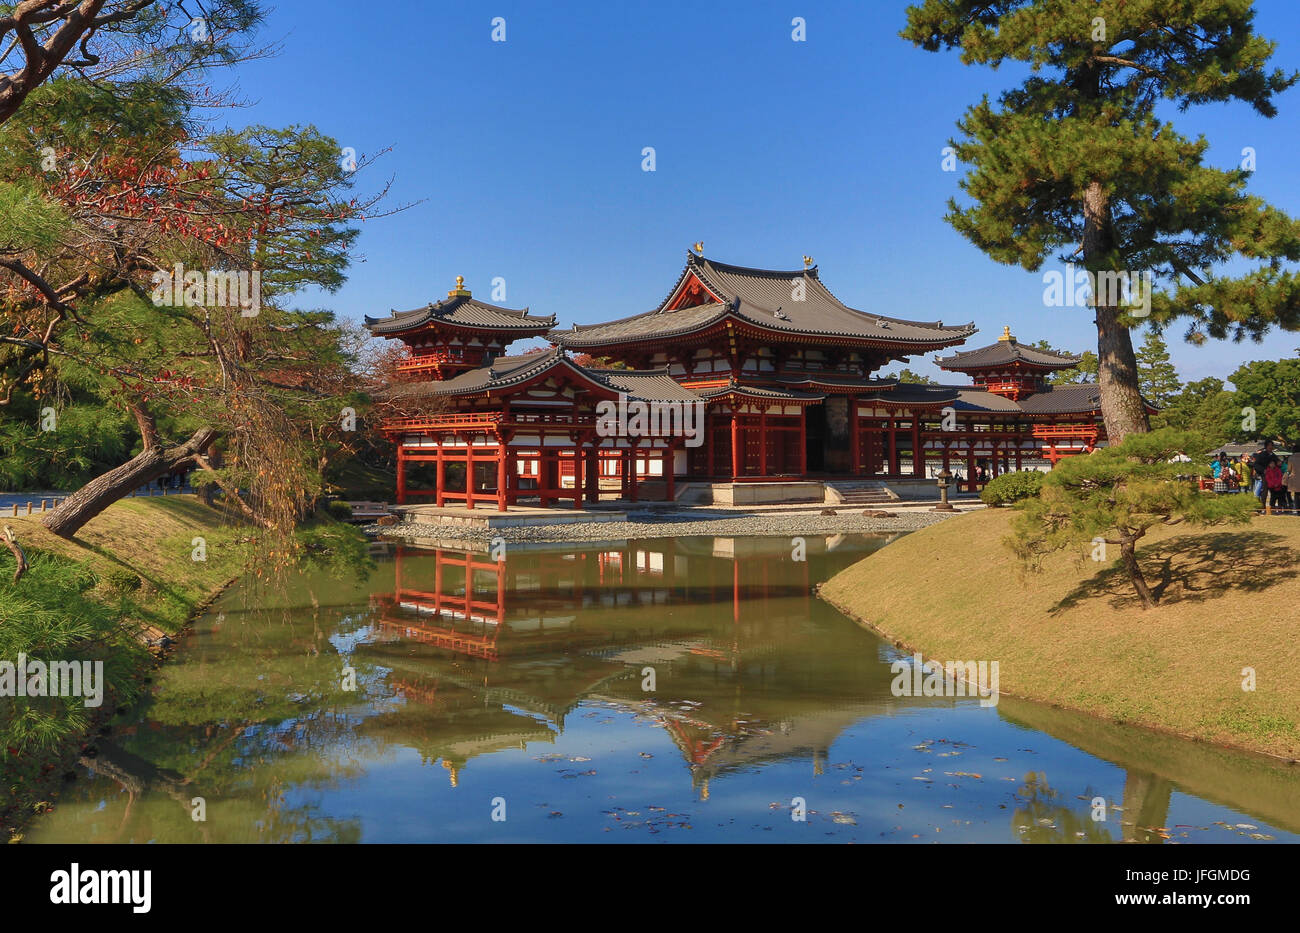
(1128, 553)
(102, 491)
(1122, 409)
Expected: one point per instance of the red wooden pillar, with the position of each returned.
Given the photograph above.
(401, 474)
(593, 473)
(855, 438)
(708, 445)
(946, 453)
(501, 475)
(918, 454)
(669, 469)
(469, 471)
(762, 442)
(442, 474)
(632, 467)
(735, 443)
(994, 461)
(803, 441)
(970, 464)
(579, 474)
(894, 468)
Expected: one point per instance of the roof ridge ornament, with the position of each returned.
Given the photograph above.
(460, 291)
(807, 261)
(1006, 335)
(699, 248)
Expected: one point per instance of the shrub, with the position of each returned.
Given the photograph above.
(123, 581)
(339, 510)
(1012, 487)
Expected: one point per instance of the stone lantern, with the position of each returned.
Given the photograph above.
(943, 479)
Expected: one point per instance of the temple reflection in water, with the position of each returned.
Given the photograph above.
(491, 654)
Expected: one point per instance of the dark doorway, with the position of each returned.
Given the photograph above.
(815, 448)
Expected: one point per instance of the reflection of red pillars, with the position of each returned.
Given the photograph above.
(735, 589)
(437, 581)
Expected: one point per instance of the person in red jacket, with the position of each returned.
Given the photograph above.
(1273, 479)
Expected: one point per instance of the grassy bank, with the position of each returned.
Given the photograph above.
(1075, 636)
(128, 579)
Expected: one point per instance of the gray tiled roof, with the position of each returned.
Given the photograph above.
(911, 393)
(977, 400)
(655, 386)
(507, 371)
(1004, 353)
(830, 379)
(764, 392)
(462, 311)
(503, 372)
(1079, 398)
(764, 298)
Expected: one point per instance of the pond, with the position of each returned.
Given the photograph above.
(665, 690)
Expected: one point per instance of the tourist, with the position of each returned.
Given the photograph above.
(1229, 478)
(1292, 485)
(1273, 479)
(1259, 463)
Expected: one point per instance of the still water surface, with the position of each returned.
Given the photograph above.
(666, 690)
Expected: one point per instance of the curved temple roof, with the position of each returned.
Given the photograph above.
(795, 303)
(507, 371)
(461, 311)
(1004, 353)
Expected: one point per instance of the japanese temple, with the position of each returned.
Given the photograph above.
(749, 376)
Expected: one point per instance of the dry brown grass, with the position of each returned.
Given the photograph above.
(152, 537)
(1074, 634)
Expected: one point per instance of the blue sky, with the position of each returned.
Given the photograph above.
(526, 155)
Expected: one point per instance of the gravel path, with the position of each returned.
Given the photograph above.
(678, 524)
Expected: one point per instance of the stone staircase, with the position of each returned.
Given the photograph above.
(859, 493)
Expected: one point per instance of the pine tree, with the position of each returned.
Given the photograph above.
(1074, 163)
(1156, 374)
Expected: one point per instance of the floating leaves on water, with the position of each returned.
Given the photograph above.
(846, 818)
(969, 774)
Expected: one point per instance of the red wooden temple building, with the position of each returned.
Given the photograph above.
(738, 376)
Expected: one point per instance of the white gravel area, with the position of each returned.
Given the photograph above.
(680, 524)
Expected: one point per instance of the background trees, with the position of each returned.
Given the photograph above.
(118, 189)
(1074, 163)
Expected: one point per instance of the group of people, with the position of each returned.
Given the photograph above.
(1273, 481)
